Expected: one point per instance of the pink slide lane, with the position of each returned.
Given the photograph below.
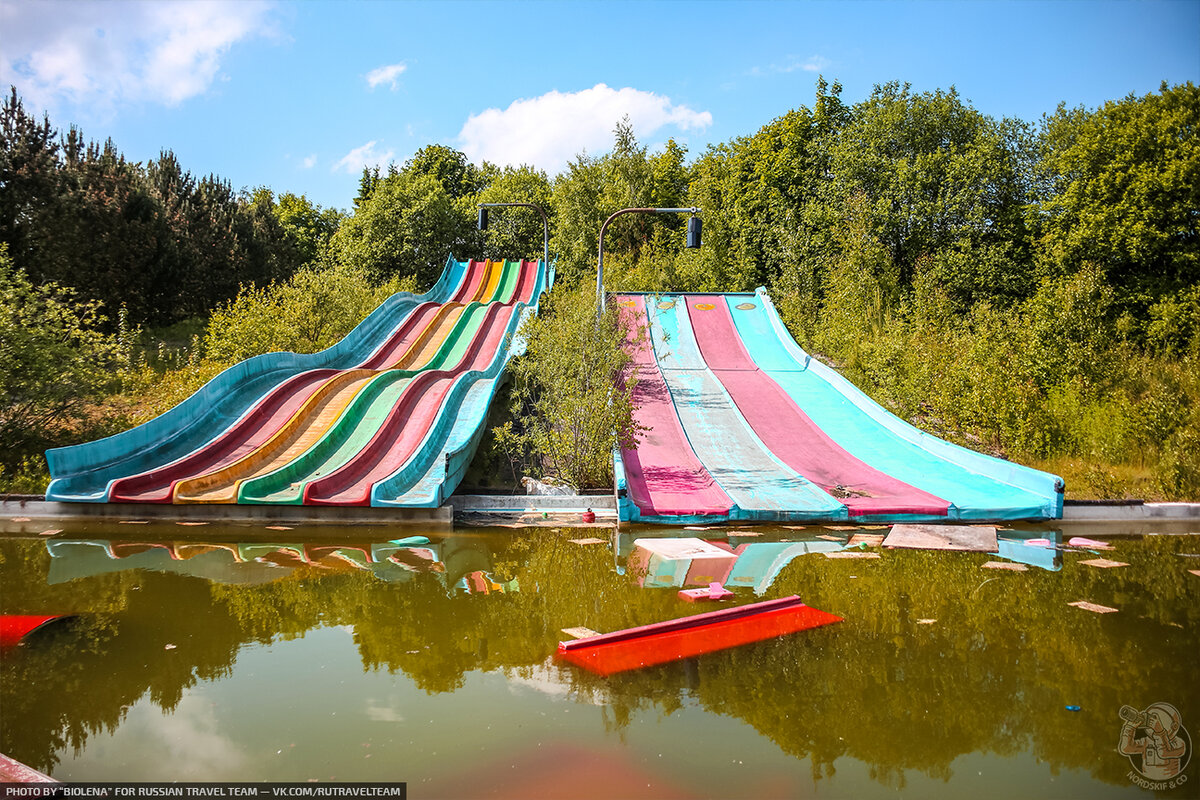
(673, 480)
(788, 432)
(409, 422)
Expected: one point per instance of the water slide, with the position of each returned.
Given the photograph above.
(744, 425)
(304, 418)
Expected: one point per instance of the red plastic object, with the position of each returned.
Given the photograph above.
(15, 627)
(662, 642)
(714, 591)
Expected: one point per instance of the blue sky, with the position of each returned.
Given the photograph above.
(299, 96)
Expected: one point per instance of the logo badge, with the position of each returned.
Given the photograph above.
(1157, 745)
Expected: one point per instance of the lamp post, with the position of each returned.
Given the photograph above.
(693, 240)
(483, 221)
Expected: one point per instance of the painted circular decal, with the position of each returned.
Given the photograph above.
(665, 304)
(704, 306)
(628, 303)
(744, 306)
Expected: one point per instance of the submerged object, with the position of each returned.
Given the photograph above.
(15, 627)
(714, 591)
(662, 642)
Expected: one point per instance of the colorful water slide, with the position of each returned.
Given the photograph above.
(785, 437)
(259, 416)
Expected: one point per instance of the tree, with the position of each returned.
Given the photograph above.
(406, 229)
(516, 232)
(53, 361)
(307, 225)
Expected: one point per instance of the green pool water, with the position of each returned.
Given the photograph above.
(242, 654)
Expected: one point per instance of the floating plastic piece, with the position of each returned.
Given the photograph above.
(1072, 708)
(1006, 565)
(1195, 572)
(692, 636)
(50, 532)
(714, 591)
(579, 633)
(926, 621)
(588, 540)
(1103, 563)
(848, 554)
(866, 539)
(589, 516)
(1098, 609)
(1039, 543)
(1082, 541)
(679, 562)
(971, 538)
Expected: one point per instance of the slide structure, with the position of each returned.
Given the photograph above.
(745, 425)
(389, 416)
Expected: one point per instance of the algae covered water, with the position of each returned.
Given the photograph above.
(242, 654)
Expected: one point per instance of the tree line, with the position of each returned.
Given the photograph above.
(1029, 289)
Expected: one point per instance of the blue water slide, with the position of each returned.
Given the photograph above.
(978, 486)
(761, 486)
(81, 473)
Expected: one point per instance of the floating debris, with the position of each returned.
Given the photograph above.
(926, 621)
(829, 538)
(588, 540)
(869, 539)
(50, 532)
(848, 554)
(575, 633)
(278, 528)
(1195, 572)
(714, 591)
(21, 519)
(1099, 609)
(191, 524)
(971, 538)
(1103, 563)
(169, 647)
(135, 522)
(1083, 541)
(1006, 565)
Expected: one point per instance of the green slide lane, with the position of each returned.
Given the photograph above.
(508, 282)
(359, 423)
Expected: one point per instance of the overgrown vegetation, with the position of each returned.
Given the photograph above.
(1030, 290)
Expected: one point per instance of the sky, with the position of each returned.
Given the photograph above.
(299, 96)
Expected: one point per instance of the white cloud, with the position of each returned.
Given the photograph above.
(549, 130)
(107, 54)
(309, 161)
(793, 63)
(387, 74)
(363, 156)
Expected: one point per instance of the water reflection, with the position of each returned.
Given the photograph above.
(937, 658)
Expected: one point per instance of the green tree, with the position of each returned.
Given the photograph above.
(53, 361)
(577, 407)
(308, 225)
(516, 232)
(406, 229)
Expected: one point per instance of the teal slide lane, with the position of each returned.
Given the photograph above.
(760, 485)
(978, 486)
(81, 473)
(365, 414)
(432, 474)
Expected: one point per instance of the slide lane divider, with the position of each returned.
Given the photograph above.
(82, 473)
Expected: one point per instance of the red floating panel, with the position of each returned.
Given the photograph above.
(15, 627)
(662, 642)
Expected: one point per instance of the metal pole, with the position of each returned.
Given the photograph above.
(545, 223)
(604, 227)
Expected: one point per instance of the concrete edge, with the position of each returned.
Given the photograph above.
(315, 515)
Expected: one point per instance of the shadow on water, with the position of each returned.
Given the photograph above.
(937, 659)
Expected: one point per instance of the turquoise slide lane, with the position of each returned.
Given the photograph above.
(978, 487)
(760, 485)
(81, 473)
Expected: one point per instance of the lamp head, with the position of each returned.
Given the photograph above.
(693, 232)
(483, 219)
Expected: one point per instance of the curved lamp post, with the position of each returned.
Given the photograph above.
(483, 221)
(693, 240)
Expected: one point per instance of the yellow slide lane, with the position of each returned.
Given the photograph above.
(487, 288)
(300, 432)
(425, 346)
